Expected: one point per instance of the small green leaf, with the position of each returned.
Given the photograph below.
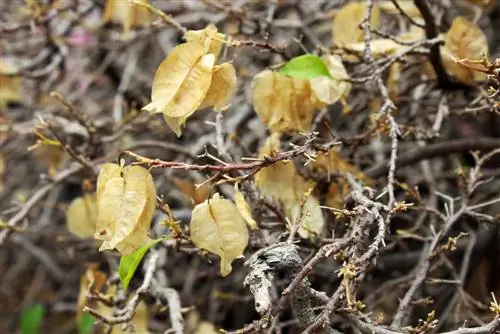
(86, 324)
(307, 66)
(31, 319)
(129, 263)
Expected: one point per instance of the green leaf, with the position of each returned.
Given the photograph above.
(86, 324)
(129, 263)
(307, 66)
(31, 319)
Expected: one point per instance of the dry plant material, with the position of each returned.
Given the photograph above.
(181, 84)
(282, 182)
(408, 7)
(345, 26)
(209, 39)
(10, 88)
(221, 88)
(126, 13)
(81, 216)
(464, 40)
(195, 195)
(139, 321)
(244, 208)
(217, 226)
(379, 47)
(330, 90)
(283, 103)
(93, 279)
(330, 164)
(188, 79)
(126, 200)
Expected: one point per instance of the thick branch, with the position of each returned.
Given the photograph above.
(436, 150)
(431, 31)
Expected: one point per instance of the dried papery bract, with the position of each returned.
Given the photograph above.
(283, 103)
(333, 163)
(308, 215)
(217, 226)
(81, 216)
(127, 14)
(330, 90)
(345, 26)
(282, 182)
(181, 84)
(221, 88)
(208, 38)
(10, 86)
(92, 278)
(126, 204)
(274, 181)
(379, 47)
(244, 208)
(464, 40)
(408, 7)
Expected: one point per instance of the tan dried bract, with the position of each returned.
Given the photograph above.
(126, 204)
(331, 164)
(283, 103)
(181, 84)
(345, 26)
(221, 88)
(208, 38)
(244, 208)
(127, 14)
(330, 90)
(217, 226)
(281, 182)
(81, 216)
(464, 40)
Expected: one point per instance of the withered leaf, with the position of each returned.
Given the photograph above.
(217, 226)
